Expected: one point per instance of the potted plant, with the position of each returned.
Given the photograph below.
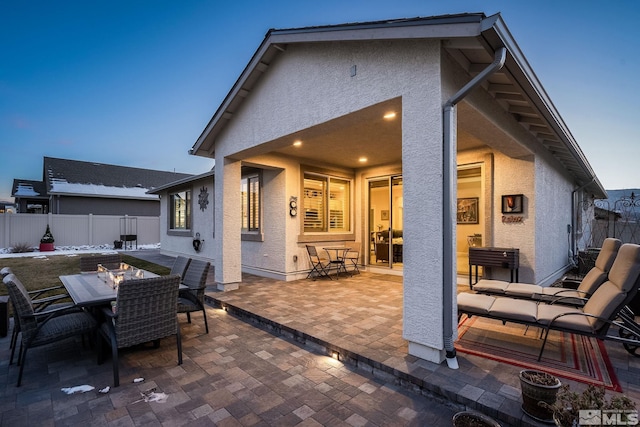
(590, 407)
(46, 243)
(538, 386)
(473, 419)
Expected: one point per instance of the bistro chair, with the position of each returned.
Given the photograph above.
(90, 263)
(180, 265)
(145, 311)
(353, 255)
(192, 299)
(44, 327)
(320, 267)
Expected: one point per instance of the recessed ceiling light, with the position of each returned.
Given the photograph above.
(390, 115)
(362, 159)
(297, 143)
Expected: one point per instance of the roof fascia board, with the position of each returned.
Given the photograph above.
(103, 196)
(530, 83)
(181, 183)
(426, 31)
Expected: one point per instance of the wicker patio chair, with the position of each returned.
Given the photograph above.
(145, 312)
(192, 299)
(90, 263)
(45, 327)
(39, 304)
(180, 265)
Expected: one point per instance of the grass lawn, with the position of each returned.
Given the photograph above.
(39, 273)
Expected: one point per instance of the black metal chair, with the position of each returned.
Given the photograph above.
(145, 311)
(44, 327)
(319, 266)
(353, 256)
(192, 299)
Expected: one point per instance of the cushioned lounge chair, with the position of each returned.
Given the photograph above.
(605, 308)
(594, 278)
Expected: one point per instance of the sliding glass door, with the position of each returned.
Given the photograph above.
(385, 221)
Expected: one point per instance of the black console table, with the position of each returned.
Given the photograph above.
(494, 257)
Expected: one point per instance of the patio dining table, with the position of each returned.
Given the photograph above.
(93, 289)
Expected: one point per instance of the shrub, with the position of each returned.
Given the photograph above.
(20, 248)
(47, 237)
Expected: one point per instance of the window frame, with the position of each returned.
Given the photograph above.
(254, 232)
(171, 229)
(326, 231)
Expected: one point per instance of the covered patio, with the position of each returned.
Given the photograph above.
(358, 319)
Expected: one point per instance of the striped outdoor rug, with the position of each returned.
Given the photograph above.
(574, 357)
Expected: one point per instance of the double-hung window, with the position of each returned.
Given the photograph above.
(326, 203)
(180, 211)
(250, 190)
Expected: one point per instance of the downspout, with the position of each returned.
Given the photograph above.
(572, 248)
(449, 200)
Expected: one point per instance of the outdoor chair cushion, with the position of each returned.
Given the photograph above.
(594, 278)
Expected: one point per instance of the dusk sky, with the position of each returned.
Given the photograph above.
(134, 83)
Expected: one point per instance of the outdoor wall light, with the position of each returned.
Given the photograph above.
(335, 355)
(293, 206)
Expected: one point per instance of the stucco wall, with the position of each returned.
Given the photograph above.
(553, 210)
(202, 222)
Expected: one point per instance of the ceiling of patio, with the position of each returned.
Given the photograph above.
(363, 134)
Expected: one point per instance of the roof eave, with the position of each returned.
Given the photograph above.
(497, 35)
(180, 183)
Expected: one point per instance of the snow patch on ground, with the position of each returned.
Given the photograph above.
(70, 250)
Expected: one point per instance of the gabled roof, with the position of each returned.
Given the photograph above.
(77, 178)
(471, 39)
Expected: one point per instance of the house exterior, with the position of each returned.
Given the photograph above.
(416, 138)
(76, 187)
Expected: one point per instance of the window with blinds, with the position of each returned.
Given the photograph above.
(250, 190)
(180, 211)
(326, 204)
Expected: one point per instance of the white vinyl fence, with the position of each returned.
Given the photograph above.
(76, 230)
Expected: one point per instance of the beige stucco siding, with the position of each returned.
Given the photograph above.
(553, 212)
(202, 222)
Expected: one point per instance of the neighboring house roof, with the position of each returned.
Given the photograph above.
(90, 179)
(28, 189)
(471, 39)
(181, 182)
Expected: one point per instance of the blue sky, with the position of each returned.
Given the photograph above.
(135, 82)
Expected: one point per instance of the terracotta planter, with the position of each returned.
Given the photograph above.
(532, 393)
(473, 419)
(47, 247)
